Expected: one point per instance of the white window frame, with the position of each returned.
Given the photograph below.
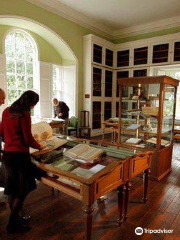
(36, 79)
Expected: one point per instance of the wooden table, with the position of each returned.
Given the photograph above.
(116, 174)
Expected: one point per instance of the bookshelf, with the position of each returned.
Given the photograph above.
(123, 58)
(97, 53)
(176, 56)
(140, 56)
(160, 53)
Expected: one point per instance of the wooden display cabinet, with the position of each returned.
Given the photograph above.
(154, 118)
(78, 181)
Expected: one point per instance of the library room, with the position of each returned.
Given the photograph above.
(89, 120)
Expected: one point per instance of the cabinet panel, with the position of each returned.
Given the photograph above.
(108, 83)
(109, 57)
(176, 56)
(97, 82)
(96, 118)
(123, 58)
(140, 73)
(140, 56)
(97, 53)
(160, 53)
(121, 74)
(107, 110)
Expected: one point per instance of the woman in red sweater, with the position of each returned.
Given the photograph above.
(19, 179)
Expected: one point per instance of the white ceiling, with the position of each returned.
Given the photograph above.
(118, 14)
(116, 17)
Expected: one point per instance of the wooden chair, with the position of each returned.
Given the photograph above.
(73, 125)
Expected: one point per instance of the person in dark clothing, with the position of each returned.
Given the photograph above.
(3, 202)
(61, 110)
(19, 176)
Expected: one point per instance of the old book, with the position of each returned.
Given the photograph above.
(133, 126)
(87, 173)
(150, 111)
(84, 152)
(153, 140)
(43, 133)
(133, 140)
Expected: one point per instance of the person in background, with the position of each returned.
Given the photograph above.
(61, 110)
(3, 201)
(19, 176)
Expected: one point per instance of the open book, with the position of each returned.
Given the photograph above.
(153, 140)
(84, 152)
(133, 126)
(43, 133)
(133, 140)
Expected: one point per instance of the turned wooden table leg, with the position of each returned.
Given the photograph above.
(121, 198)
(145, 184)
(128, 187)
(88, 210)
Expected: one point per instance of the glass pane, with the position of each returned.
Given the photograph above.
(20, 92)
(29, 68)
(21, 82)
(20, 67)
(10, 66)
(29, 55)
(10, 39)
(28, 43)
(20, 52)
(12, 96)
(29, 82)
(167, 123)
(10, 51)
(20, 39)
(11, 81)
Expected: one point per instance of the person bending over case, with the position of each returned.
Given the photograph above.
(19, 180)
(61, 110)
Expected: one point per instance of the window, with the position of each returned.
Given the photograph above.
(174, 73)
(21, 64)
(63, 85)
(57, 82)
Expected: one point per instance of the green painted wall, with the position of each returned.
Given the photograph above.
(46, 52)
(71, 32)
(148, 35)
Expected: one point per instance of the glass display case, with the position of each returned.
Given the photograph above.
(148, 120)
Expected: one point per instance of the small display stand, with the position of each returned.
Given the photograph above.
(84, 130)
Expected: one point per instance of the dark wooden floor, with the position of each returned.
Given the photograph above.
(59, 217)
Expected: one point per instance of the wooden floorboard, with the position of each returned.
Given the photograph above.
(60, 217)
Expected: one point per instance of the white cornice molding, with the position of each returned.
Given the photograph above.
(155, 26)
(66, 12)
(73, 15)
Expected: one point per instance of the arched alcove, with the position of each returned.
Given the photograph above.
(68, 59)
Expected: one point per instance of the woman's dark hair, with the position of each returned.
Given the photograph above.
(24, 103)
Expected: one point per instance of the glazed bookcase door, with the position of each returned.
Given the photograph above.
(97, 54)
(161, 53)
(176, 51)
(108, 81)
(96, 114)
(123, 58)
(97, 81)
(140, 56)
(107, 110)
(109, 57)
